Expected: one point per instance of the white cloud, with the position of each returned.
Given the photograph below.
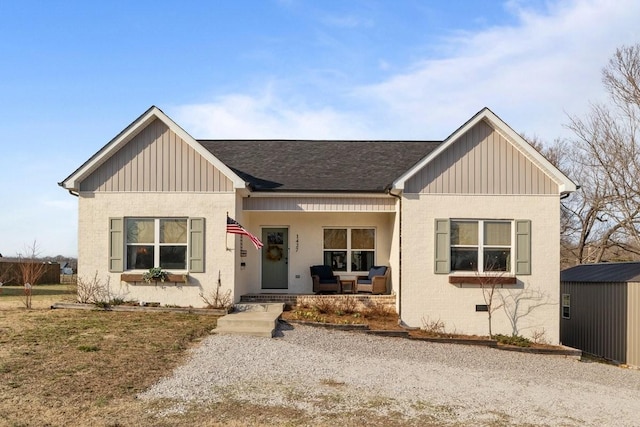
(532, 74)
(265, 117)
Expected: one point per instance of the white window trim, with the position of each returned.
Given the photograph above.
(563, 305)
(481, 247)
(348, 249)
(156, 243)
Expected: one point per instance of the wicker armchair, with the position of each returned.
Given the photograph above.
(323, 279)
(375, 282)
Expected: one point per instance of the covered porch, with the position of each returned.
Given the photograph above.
(350, 234)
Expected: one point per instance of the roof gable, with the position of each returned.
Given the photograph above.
(73, 181)
(564, 184)
(158, 160)
(481, 161)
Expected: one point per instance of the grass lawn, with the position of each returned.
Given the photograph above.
(79, 368)
(73, 367)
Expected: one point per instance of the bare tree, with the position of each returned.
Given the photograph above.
(489, 282)
(573, 218)
(30, 270)
(605, 214)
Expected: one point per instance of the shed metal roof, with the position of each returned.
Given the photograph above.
(603, 272)
(314, 165)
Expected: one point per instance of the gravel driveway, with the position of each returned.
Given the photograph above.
(324, 371)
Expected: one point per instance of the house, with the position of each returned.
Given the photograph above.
(443, 215)
(65, 268)
(600, 310)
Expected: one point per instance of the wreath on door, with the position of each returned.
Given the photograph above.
(274, 253)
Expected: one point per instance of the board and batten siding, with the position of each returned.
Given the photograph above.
(481, 161)
(157, 160)
(320, 204)
(598, 318)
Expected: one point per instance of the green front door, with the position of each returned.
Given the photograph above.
(275, 258)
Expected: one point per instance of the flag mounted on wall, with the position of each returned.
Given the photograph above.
(234, 227)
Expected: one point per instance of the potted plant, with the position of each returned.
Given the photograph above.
(155, 274)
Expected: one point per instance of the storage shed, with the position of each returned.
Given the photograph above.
(600, 310)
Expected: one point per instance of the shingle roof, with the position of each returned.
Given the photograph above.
(310, 165)
(603, 272)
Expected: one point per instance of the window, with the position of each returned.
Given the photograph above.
(566, 306)
(156, 242)
(349, 249)
(481, 245)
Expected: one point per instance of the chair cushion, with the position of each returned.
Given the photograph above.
(377, 271)
(324, 272)
(364, 281)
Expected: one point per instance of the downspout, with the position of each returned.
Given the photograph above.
(397, 196)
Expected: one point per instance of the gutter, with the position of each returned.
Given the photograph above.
(566, 194)
(73, 193)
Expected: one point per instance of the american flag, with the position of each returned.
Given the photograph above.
(234, 227)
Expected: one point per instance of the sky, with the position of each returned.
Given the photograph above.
(73, 74)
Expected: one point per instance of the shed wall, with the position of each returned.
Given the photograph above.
(598, 321)
(633, 324)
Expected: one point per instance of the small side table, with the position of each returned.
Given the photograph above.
(349, 283)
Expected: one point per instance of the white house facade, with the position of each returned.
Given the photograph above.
(446, 217)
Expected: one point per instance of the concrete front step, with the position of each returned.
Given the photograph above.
(251, 319)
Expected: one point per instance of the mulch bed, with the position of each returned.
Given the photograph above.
(137, 308)
(389, 327)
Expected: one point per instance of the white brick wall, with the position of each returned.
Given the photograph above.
(429, 296)
(95, 209)
(424, 295)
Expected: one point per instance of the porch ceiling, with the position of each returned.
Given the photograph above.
(320, 204)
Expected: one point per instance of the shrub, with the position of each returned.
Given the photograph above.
(516, 340)
(539, 337)
(93, 291)
(218, 298)
(325, 305)
(435, 327)
(349, 305)
(376, 309)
